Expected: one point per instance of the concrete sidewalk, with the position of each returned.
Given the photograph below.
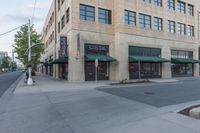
(55, 106)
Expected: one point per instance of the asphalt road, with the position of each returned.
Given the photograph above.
(160, 95)
(7, 79)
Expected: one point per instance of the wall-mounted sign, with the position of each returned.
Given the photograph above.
(96, 49)
(78, 44)
(63, 46)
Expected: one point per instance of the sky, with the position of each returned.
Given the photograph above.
(15, 13)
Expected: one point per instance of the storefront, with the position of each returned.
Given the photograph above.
(97, 62)
(145, 62)
(182, 63)
(62, 63)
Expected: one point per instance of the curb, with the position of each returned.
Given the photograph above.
(7, 95)
(11, 89)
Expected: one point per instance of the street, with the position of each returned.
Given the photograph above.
(160, 95)
(7, 79)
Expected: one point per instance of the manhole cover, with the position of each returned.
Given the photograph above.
(149, 93)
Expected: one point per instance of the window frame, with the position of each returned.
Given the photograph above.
(181, 7)
(158, 24)
(158, 3)
(144, 19)
(104, 16)
(85, 16)
(171, 28)
(171, 4)
(181, 28)
(129, 18)
(190, 10)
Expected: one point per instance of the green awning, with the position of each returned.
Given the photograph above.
(62, 60)
(182, 60)
(105, 58)
(147, 59)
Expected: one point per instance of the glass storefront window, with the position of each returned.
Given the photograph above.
(182, 69)
(182, 54)
(147, 70)
(143, 51)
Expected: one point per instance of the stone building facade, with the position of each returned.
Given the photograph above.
(126, 39)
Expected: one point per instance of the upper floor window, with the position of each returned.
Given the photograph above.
(59, 27)
(62, 1)
(145, 21)
(58, 5)
(171, 4)
(158, 2)
(87, 13)
(52, 17)
(63, 21)
(181, 29)
(158, 24)
(190, 30)
(130, 18)
(180, 6)
(105, 16)
(171, 26)
(147, 1)
(191, 10)
(67, 15)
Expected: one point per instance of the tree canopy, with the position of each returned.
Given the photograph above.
(5, 62)
(21, 45)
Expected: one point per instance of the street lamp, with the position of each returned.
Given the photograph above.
(30, 80)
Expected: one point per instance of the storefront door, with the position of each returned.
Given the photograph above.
(103, 73)
(89, 71)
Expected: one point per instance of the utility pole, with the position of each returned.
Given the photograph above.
(30, 81)
(12, 60)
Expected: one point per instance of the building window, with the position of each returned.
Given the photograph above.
(67, 15)
(52, 17)
(158, 24)
(145, 21)
(191, 10)
(171, 26)
(63, 21)
(190, 30)
(158, 2)
(181, 29)
(105, 16)
(171, 4)
(130, 18)
(147, 1)
(62, 1)
(58, 5)
(180, 6)
(87, 13)
(182, 54)
(144, 51)
(58, 27)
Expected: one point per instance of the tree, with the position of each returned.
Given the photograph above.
(21, 46)
(5, 62)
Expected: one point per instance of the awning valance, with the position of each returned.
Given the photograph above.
(62, 60)
(105, 58)
(147, 59)
(183, 60)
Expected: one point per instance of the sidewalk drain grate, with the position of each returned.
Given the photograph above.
(149, 93)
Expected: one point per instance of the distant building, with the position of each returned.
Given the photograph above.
(2, 55)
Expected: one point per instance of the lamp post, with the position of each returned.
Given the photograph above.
(30, 81)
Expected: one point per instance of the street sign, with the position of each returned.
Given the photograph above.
(96, 63)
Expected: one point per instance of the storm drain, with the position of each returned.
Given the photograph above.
(149, 93)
